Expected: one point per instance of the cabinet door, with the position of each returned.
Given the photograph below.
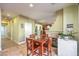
(67, 47)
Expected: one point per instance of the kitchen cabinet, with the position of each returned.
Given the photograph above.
(67, 47)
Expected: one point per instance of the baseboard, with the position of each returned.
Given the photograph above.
(22, 42)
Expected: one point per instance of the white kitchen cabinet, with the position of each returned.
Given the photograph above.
(67, 47)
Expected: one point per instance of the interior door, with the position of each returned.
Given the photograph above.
(28, 29)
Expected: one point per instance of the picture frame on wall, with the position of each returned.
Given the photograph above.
(69, 25)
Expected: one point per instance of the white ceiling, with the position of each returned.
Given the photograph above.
(41, 12)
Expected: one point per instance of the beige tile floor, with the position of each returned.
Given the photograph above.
(7, 43)
(15, 51)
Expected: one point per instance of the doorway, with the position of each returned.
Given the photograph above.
(3, 30)
(38, 29)
(28, 29)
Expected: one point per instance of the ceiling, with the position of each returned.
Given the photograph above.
(41, 12)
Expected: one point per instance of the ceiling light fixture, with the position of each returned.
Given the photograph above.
(31, 5)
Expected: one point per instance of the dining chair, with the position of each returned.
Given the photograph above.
(29, 46)
(41, 47)
(33, 47)
(47, 48)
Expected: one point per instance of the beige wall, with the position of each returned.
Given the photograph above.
(0, 30)
(18, 33)
(78, 33)
(14, 29)
(58, 23)
(22, 30)
(70, 16)
(78, 22)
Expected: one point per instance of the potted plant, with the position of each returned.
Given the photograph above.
(66, 36)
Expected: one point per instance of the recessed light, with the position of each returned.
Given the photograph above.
(31, 5)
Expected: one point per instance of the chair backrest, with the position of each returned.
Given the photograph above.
(29, 42)
(32, 36)
(43, 36)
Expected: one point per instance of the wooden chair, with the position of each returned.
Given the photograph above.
(29, 46)
(43, 36)
(32, 36)
(47, 48)
(36, 47)
(33, 47)
(39, 47)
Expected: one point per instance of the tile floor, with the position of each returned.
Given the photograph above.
(7, 43)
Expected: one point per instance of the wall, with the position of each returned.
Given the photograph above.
(14, 29)
(22, 21)
(78, 32)
(0, 30)
(17, 33)
(78, 22)
(58, 23)
(70, 16)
